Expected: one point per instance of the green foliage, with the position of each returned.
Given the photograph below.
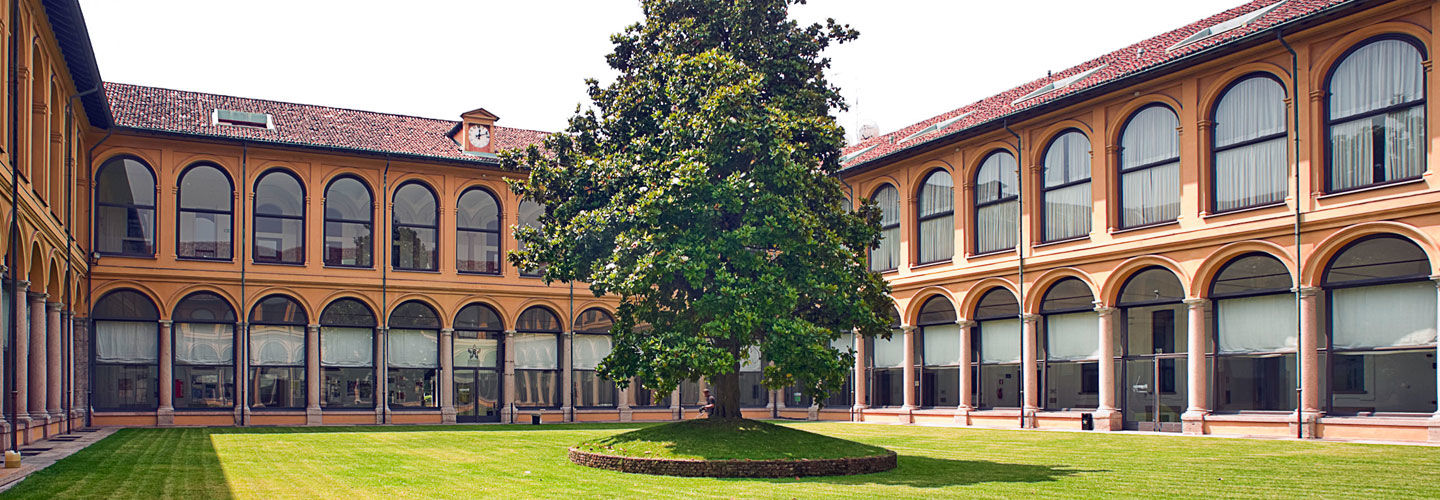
(708, 439)
(701, 191)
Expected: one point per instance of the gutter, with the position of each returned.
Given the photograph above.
(1020, 252)
(1299, 316)
(13, 257)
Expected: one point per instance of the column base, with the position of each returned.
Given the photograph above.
(22, 427)
(1108, 420)
(312, 416)
(39, 418)
(447, 414)
(379, 416)
(246, 416)
(569, 412)
(813, 414)
(1434, 429)
(962, 414)
(509, 416)
(165, 417)
(1309, 422)
(626, 414)
(57, 415)
(1193, 421)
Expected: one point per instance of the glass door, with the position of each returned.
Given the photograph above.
(477, 395)
(1155, 390)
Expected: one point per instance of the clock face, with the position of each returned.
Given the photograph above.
(479, 136)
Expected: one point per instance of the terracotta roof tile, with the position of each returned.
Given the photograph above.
(1139, 57)
(189, 113)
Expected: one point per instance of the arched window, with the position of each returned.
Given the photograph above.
(125, 208)
(939, 355)
(1150, 167)
(127, 352)
(348, 223)
(590, 345)
(1375, 114)
(996, 351)
(753, 393)
(477, 239)
(416, 226)
(204, 332)
(477, 351)
(887, 256)
(996, 195)
(1155, 345)
(413, 356)
(1382, 328)
(1255, 335)
(887, 367)
(1072, 346)
(277, 354)
(279, 218)
(529, 216)
(537, 359)
(205, 210)
(347, 355)
(1249, 145)
(935, 217)
(1066, 189)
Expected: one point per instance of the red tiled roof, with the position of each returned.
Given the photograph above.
(1116, 65)
(188, 113)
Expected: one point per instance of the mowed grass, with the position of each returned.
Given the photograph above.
(727, 440)
(529, 462)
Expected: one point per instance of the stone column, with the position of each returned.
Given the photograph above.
(382, 379)
(1029, 338)
(1198, 378)
(967, 376)
(447, 375)
(312, 375)
(1107, 414)
(623, 405)
(242, 372)
(567, 377)
(507, 391)
(1309, 344)
(38, 358)
(677, 409)
(165, 415)
(21, 411)
(908, 398)
(54, 364)
(861, 382)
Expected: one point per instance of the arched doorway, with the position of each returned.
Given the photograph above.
(477, 353)
(1154, 343)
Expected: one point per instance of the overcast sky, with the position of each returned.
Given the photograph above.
(526, 61)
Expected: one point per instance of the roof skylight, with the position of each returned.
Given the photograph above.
(936, 127)
(850, 157)
(1222, 27)
(241, 118)
(1059, 84)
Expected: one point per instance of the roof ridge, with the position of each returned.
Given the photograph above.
(274, 101)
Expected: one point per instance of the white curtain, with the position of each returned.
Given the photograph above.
(1253, 174)
(204, 343)
(589, 350)
(414, 349)
(1379, 75)
(937, 235)
(126, 342)
(845, 343)
(349, 347)
(277, 345)
(1067, 212)
(887, 256)
(1150, 195)
(476, 352)
(942, 345)
(536, 351)
(1072, 336)
(995, 227)
(1384, 316)
(1151, 136)
(1252, 109)
(1000, 341)
(890, 353)
(1264, 323)
(752, 362)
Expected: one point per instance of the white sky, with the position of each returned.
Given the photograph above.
(526, 60)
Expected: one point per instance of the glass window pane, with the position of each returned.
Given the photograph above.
(1401, 314)
(1263, 323)
(941, 345)
(537, 388)
(277, 387)
(1265, 383)
(205, 187)
(347, 312)
(413, 388)
(204, 386)
(279, 194)
(589, 350)
(1150, 286)
(1072, 385)
(125, 181)
(592, 390)
(277, 345)
(1072, 336)
(126, 342)
(126, 387)
(476, 349)
(413, 348)
(205, 343)
(538, 351)
(348, 244)
(1387, 381)
(1000, 341)
(1251, 274)
(478, 317)
(1377, 75)
(347, 346)
(347, 199)
(415, 205)
(1377, 259)
(347, 387)
(478, 210)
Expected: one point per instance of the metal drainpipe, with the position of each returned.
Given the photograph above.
(383, 400)
(1026, 364)
(93, 259)
(68, 333)
(14, 256)
(242, 396)
(1299, 330)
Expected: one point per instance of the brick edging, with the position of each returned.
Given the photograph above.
(736, 468)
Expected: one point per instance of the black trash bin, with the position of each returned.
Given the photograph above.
(534, 419)
(1087, 421)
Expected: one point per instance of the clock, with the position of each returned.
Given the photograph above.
(479, 136)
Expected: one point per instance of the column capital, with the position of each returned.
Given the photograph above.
(1103, 309)
(1030, 318)
(446, 332)
(1197, 303)
(965, 323)
(54, 306)
(1311, 291)
(23, 283)
(312, 327)
(509, 333)
(908, 328)
(166, 322)
(34, 296)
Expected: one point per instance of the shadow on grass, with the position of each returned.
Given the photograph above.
(929, 472)
(427, 428)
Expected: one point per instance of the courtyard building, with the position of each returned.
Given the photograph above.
(1231, 228)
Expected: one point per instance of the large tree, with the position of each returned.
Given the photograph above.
(700, 190)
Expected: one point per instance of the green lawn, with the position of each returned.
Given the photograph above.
(727, 440)
(523, 461)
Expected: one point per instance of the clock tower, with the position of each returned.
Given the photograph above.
(476, 132)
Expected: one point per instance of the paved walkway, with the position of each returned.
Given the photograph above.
(41, 454)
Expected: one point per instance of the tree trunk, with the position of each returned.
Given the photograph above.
(726, 390)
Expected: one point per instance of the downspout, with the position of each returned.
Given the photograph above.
(242, 397)
(68, 332)
(1299, 330)
(1027, 364)
(93, 259)
(14, 255)
(383, 400)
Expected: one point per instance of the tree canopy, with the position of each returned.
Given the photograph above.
(700, 190)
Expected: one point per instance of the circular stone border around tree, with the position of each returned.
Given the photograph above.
(736, 468)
